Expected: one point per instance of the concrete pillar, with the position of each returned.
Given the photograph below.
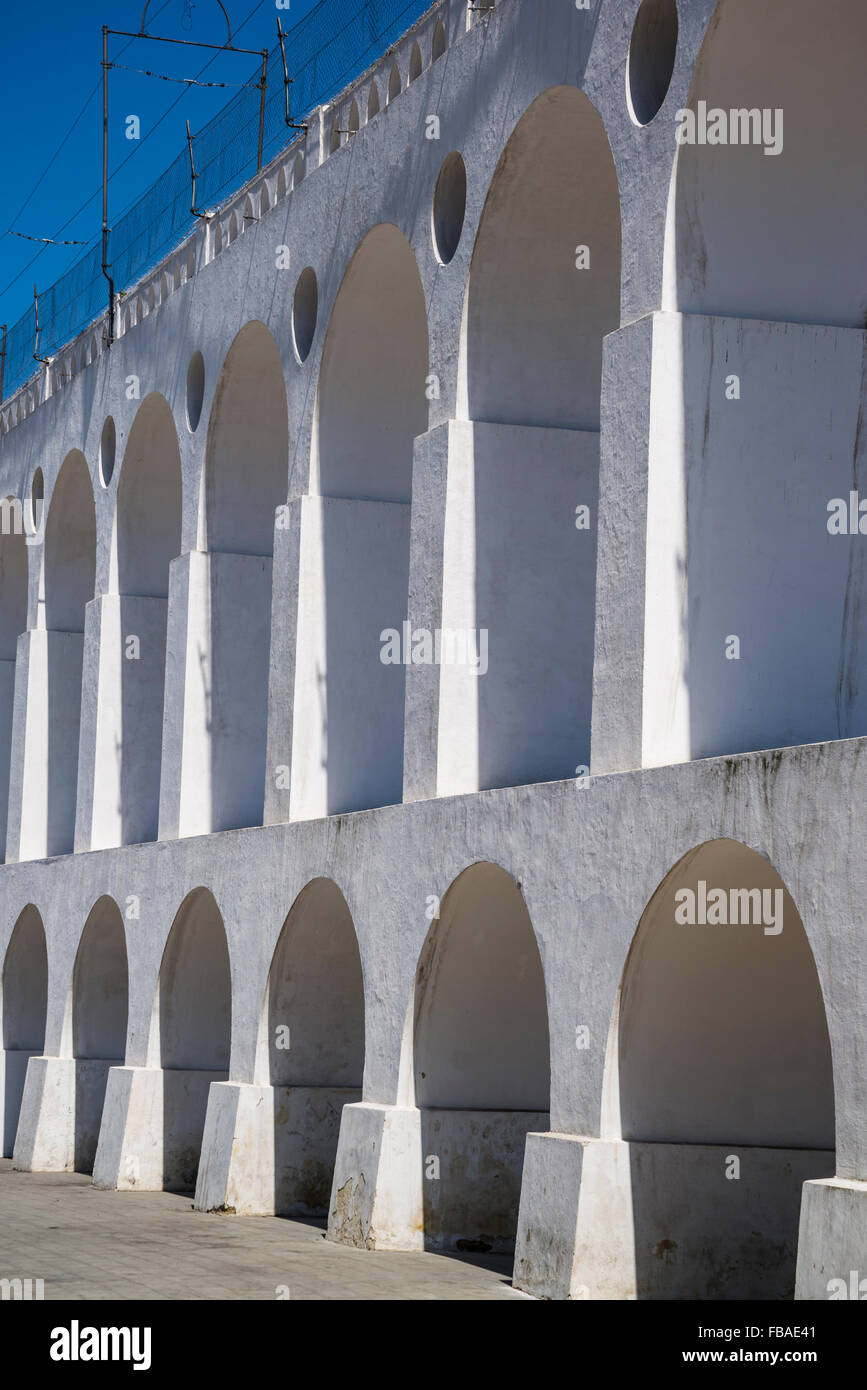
(501, 570)
(122, 722)
(152, 1125)
(606, 1219)
(832, 1242)
(347, 736)
(61, 1112)
(618, 660)
(281, 671)
(44, 765)
(217, 654)
(13, 1072)
(270, 1150)
(725, 443)
(376, 1198)
(7, 707)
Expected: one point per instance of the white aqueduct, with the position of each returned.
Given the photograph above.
(315, 933)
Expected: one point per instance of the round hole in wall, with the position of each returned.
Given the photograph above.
(449, 207)
(652, 51)
(304, 313)
(107, 450)
(195, 389)
(37, 496)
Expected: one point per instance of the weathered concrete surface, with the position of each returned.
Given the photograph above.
(707, 518)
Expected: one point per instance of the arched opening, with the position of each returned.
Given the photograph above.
(249, 216)
(100, 990)
(233, 228)
(313, 1023)
(265, 199)
(245, 480)
(354, 119)
(438, 47)
(754, 266)
(298, 171)
(415, 63)
(218, 239)
(24, 1007)
(334, 142)
(13, 621)
(394, 82)
(193, 1017)
(371, 405)
(722, 1063)
(372, 101)
(147, 537)
(481, 1061)
(544, 290)
(69, 575)
(745, 249)
(281, 183)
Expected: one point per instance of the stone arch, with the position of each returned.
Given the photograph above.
(99, 998)
(265, 198)
(371, 405)
(313, 1030)
(69, 570)
(372, 101)
(245, 480)
(249, 215)
(354, 119)
(336, 138)
(719, 1050)
(146, 539)
(218, 239)
(793, 258)
(394, 82)
(281, 183)
(24, 1005)
(481, 1058)
(233, 229)
(538, 306)
(13, 622)
(415, 63)
(298, 171)
(192, 1030)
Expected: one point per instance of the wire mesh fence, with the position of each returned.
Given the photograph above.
(333, 44)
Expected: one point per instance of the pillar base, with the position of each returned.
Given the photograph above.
(61, 1112)
(151, 1135)
(269, 1150)
(376, 1197)
(610, 1219)
(832, 1243)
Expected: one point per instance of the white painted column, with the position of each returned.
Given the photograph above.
(217, 654)
(347, 744)
(44, 765)
(7, 707)
(122, 722)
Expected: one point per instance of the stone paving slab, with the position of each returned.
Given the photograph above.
(90, 1245)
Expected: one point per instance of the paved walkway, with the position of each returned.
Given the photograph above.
(147, 1245)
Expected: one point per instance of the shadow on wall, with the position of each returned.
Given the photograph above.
(544, 290)
(315, 1038)
(24, 1007)
(147, 540)
(371, 405)
(99, 1018)
(725, 1080)
(246, 479)
(481, 1082)
(772, 393)
(194, 1018)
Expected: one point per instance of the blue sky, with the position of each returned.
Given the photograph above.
(50, 70)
